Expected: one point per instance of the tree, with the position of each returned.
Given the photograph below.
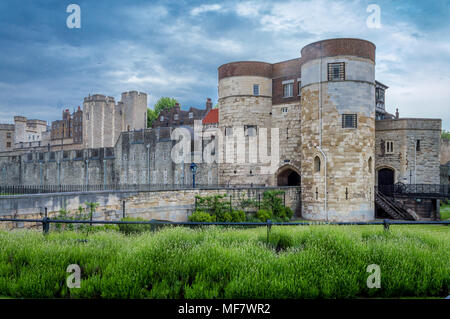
(164, 103)
(445, 135)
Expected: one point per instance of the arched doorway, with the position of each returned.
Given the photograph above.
(288, 176)
(386, 176)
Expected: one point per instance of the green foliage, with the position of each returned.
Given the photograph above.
(263, 215)
(129, 229)
(164, 103)
(216, 262)
(238, 216)
(218, 206)
(445, 135)
(201, 217)
(273, 202)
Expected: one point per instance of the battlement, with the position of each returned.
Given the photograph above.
(133, 93)
(99, 98)
(20, 119)
(408, 124)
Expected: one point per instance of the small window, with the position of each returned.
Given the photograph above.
(284, 110)
(255, 89)
(228, 131)
(52, 156)
(418, 146)
(288, 90)
(8, 135)
(299, 88)
(29, 157)
(317, 164)
(41, 156)
(79, 154)
(8, 144)
(66, 154)
(369, 164)
(336, 71)
(95, 153)
(389, 147)
(250, 130)
(191, 115)
(379, 94)
(349, 121)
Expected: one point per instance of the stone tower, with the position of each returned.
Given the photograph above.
(134, 110)
(338, 130)
(245, 104)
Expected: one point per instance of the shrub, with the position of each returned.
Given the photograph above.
(128, 229)
(237, 216)
(263, 215)
(201, 217)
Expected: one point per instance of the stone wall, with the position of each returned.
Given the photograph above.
(161, 205)
(445, 151)
(412, 164)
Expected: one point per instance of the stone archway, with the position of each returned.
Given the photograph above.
(288, 176)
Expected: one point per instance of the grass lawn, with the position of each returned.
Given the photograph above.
(445, 212)
(214, 262)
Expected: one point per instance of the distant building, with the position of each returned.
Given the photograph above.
(6, 137)
(177, 117)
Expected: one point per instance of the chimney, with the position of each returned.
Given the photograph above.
(208, 104)
(396, 114)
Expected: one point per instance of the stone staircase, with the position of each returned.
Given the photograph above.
(393, 208)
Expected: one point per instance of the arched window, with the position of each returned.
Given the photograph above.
(369, 164)
(317, 164)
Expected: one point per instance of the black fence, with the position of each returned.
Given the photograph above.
(155, 223)
(415, 190)
(42, 189)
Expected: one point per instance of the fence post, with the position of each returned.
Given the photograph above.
(123, 209)
(386, 224)
(269, 225)
(45, 225)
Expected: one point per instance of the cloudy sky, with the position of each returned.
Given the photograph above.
(173, 48)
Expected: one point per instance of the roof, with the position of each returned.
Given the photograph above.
(212, 117)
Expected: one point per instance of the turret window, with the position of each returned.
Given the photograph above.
(336, 71)
(255, 89)
(389, 147)
(349, 121)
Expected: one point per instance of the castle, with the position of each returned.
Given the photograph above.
(324, 113)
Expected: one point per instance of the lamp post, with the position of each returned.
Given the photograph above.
(194, 171)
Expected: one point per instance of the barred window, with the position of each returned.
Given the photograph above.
(255, 89)
(349, 121)
(336, 71)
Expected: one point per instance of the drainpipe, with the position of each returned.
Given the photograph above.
(415, 161)
(320, 131)
(148, 164)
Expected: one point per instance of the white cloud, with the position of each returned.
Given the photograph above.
(205, 8)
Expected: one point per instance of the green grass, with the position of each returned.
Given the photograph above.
(445, 212)
(212, 262)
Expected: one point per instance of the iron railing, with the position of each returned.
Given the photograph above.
(386, 223)
(415, 190)
(42, 189)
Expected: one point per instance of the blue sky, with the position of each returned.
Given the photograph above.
(173, 48)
